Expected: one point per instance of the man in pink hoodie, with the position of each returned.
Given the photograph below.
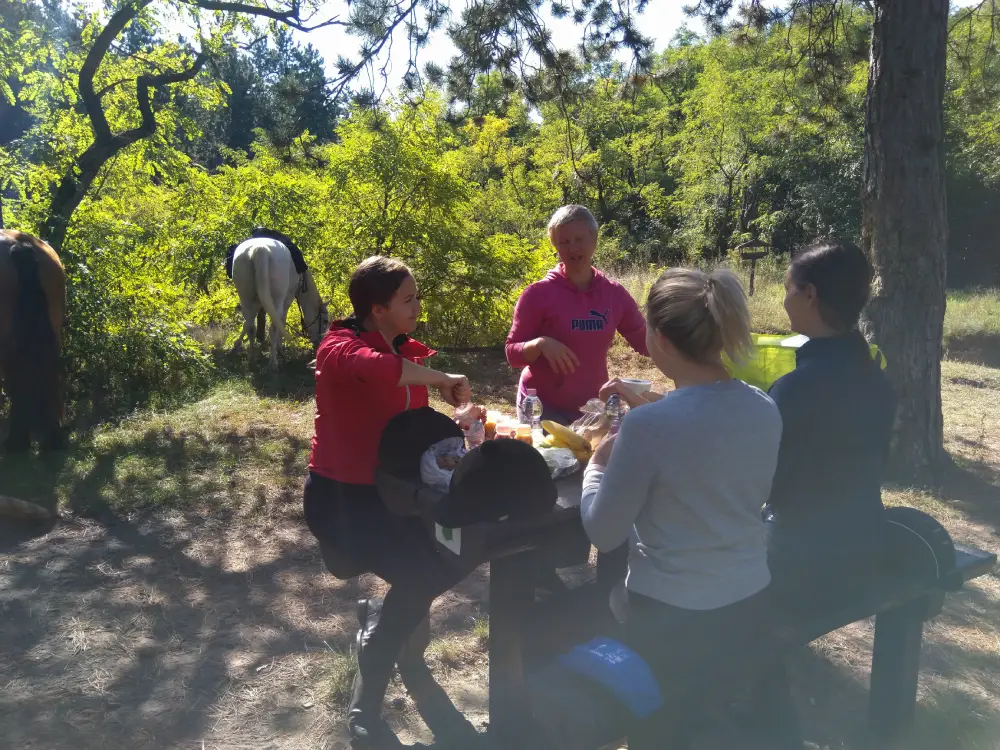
(565, 324)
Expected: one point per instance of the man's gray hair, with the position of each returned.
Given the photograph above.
(571, 213)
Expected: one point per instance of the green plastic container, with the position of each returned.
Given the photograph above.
(772, 357)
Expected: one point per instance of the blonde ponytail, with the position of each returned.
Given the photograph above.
(728, 306)
(701, 314)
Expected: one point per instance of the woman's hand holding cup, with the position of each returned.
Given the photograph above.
(617, 385)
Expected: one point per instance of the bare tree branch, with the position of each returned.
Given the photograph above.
(115, 25)
(77, 181)
(289, 17)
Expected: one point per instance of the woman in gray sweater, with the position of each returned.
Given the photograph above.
(684, 481)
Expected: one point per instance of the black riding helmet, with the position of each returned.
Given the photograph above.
(501, 479)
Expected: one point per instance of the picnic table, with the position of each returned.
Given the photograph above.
(516, 550)
(528, 631)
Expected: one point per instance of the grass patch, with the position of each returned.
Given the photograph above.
(229, 449)
(974, 313)
(972, 318)
(481, 631)
(340, 677)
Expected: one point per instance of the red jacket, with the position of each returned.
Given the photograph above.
(357, 373)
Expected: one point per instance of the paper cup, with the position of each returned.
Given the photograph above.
(638, 387)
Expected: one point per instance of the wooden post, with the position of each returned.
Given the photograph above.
(895, 666)
(512, 594)
(747, 252)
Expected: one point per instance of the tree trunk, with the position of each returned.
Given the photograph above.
(72, 189)
(904, 220)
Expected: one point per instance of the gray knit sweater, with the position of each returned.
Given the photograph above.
(685, 484)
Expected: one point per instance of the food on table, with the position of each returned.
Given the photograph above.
(561, 461)
(493, 418)
(595, 433)
(524, 433)
(449, 462)
(506, 430)
(564, 437)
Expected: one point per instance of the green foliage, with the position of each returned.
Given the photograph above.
(714, 142)
(126, 340)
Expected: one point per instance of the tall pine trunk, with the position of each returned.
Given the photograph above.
(904, 220)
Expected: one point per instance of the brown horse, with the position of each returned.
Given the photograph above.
(32, 310)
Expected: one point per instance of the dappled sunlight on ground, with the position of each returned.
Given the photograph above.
(180, 599)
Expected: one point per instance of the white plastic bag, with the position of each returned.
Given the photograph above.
(433, 475)
(561, 461)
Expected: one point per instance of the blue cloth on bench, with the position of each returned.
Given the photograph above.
(621, 670)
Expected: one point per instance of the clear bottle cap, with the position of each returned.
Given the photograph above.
(530, 392)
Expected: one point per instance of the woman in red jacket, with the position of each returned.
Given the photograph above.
(367, 371)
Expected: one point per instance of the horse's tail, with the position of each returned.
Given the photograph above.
(262, 277)
(32, 326)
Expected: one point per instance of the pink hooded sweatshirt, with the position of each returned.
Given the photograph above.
(583, 320)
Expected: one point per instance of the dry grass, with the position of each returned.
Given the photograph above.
(973, 314)
(343, 667)
(971, 324)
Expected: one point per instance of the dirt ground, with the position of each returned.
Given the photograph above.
(179, 601)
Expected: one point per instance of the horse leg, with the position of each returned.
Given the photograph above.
(249, 312)
(19, 390)
(277, 328)
(51, 410)
(261, 326)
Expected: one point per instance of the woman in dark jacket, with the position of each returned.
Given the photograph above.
(825, 514)
(837, 411)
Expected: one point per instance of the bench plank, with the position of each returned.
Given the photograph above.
(900, 606)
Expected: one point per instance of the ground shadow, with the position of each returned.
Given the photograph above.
(34, 477)
(979, 349)
(295, 380)
(973, 487)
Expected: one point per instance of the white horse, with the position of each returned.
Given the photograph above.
(265, 277)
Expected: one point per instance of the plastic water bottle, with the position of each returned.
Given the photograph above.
(614, 411)
(475, 435)
(530, 412)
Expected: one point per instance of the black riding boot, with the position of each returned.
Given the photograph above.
(444, 720)
(365, 724)
(413, 650)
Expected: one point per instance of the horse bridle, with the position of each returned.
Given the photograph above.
(303, 286)
(305, 326)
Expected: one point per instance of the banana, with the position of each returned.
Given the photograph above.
(564, 437)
